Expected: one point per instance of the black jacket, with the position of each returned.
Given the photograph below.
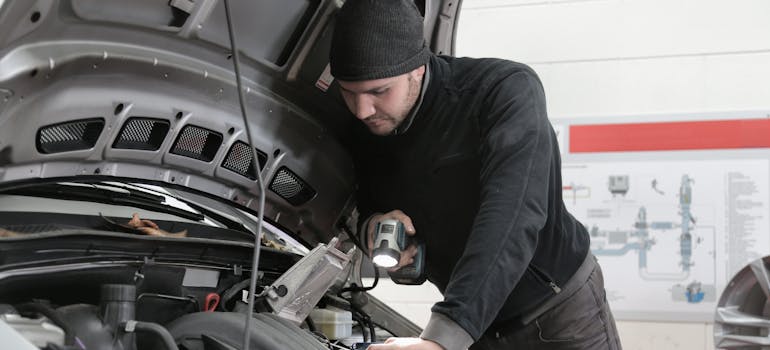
(478, 171)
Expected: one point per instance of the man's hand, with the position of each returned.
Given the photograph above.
(406, 344)
(407, 256)
(150, 228)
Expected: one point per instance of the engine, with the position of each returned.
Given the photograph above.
(112, 304)
(121, 321)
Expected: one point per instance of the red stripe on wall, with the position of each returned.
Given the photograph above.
(670, 136)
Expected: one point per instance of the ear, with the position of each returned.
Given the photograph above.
(418, 73)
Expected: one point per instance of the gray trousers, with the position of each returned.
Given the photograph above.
(581, 321)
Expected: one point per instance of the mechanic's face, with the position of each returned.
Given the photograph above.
(383, 104)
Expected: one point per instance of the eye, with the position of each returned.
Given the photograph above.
(379, 92)
(347, 95)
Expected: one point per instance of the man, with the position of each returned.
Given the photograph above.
(461, 151)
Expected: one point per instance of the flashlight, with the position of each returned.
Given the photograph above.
(387, 252)
(390, 240)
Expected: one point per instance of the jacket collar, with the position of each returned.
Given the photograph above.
(401, 129)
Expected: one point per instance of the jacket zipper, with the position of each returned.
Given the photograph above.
(544, 279)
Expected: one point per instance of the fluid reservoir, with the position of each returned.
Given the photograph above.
(38, 331)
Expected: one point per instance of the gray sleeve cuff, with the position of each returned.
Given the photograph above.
(446, 332)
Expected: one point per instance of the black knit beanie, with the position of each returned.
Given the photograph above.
(375, 39)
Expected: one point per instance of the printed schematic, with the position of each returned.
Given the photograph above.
(665, 233)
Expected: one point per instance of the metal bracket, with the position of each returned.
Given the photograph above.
(303, 285)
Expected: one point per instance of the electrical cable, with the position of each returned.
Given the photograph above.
(360, 322)
(371, 329)
(357, 242)
(149, 327)
(362, 317)
(354, 288)
(260, 180)
(310, 324)
(262, 187)
(336, 346)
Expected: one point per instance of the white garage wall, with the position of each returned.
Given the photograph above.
(630, 57)
(606, 58)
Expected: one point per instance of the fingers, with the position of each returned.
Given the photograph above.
(135, 221)
(407, 258)
(400, 216)
(182, 233)
(385, 346)
(394, 214)
(161, 233)
(6, 233)
(150, 231)
(148, 223)
(405, 343)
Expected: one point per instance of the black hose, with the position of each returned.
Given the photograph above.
(360, 322)
(371, 329)
(363, 317)
(310, 324)
(233, 291)
(354, 288)
(46, 310)
(357, 242)
(150, 327)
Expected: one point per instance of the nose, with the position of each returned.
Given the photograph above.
(364, 107)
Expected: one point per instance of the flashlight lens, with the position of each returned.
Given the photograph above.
(384, 260)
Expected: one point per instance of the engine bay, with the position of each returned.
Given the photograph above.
(75, 288)
(72, 310)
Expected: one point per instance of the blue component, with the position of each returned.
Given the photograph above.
(617, 252)
(662, 225)
(694, 297)
(413, 273)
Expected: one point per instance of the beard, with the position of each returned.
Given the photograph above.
(385, 124)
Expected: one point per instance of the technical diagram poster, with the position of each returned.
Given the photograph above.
(670, 234)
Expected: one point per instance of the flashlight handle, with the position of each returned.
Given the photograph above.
(414, 273)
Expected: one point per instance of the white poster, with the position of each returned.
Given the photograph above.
(670, 234)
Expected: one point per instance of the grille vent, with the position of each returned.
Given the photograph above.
(69, 136)
(198, 143)
(142, 133)
(239, 159)
(291, 187)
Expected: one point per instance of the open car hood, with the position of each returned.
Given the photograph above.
(144, 90)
